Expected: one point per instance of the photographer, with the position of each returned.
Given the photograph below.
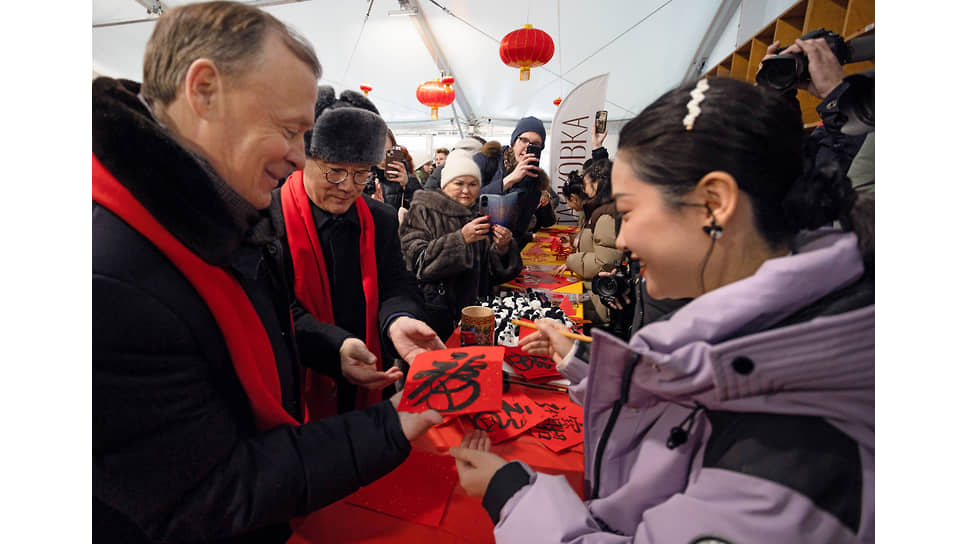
(395, 181)
(828, 144)
(630, 305)
(596, 240)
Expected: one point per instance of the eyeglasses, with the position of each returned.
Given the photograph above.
(339, 175)
(528, 142)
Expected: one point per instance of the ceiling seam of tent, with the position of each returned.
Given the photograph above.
(349, 61)
(626, 31)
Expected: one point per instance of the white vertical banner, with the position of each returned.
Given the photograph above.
(571, 135)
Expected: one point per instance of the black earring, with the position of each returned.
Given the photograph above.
(713, 230)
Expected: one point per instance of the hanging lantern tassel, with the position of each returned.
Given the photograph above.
(527, 48)
(365, 87)
(436, 94)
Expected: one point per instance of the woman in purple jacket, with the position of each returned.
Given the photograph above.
(748, 414)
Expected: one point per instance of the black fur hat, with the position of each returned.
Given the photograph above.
(348, 129)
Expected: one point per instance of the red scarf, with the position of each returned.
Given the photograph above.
(244, 334)
(312, 284)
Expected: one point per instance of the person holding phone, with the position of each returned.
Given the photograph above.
(395, 182)
(456, 253)
(517, 171)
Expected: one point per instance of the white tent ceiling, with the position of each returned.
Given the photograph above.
(646, 45)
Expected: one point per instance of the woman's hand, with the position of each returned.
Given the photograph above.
(378, 194)
(599, 139)
(547, 342)
(396, 172)
(476, 464)
(476, 229)
(545, 199)
(502, 238)
(527, 166)
(560, 271)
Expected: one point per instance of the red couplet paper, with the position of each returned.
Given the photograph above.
(540, 279)
(460, 380)
(417, 490)
(531, 367)
(518, 413)
(563, 429)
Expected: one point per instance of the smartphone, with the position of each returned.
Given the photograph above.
(534, 150)
(600, 117)
(395, 153)
(483, 206)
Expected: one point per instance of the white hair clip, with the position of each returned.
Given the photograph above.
(697, 95)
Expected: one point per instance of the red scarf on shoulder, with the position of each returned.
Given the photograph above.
(313, 290)
(245, 336)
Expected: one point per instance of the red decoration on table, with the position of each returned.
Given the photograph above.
(525, 48)
(417, 490)
(459, 380)
(530, 367)
(366, 89)
(518, 413)
(563, 429)
(436, 94)
(539, 279)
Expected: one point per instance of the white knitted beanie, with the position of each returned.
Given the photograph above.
(459, 163)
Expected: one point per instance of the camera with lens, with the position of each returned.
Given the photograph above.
(786, 70)
(610, 287)
(375, 175)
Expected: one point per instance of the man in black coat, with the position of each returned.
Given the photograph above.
(323, 211)
(196, 390)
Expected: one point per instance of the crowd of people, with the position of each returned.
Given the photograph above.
(267, 261)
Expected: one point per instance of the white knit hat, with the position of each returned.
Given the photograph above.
(459, 163)
(471, 145)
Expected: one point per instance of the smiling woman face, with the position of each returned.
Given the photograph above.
(463, 189)
(668, 242)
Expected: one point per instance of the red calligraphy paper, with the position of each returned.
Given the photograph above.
(417, 490)
(518, 413)
(459, 380)
(540, 279)
(563, 429)
(531, 367)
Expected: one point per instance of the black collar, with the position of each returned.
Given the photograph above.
(173, 184)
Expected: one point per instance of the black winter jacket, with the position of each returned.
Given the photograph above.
(452, 273)
(398, 290)
(176, 455)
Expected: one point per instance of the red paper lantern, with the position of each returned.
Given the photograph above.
(436, 94)
(527, 47)
(557, 101)
(366, 89)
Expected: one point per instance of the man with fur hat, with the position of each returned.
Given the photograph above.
(342, 250)
(456, 254)
(517, 171)
(196, 424)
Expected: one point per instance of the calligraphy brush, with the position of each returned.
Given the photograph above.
(567, 334)
(508, 379)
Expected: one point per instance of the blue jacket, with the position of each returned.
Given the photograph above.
(528, 187)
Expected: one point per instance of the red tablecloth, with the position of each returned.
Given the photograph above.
(464, 519)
